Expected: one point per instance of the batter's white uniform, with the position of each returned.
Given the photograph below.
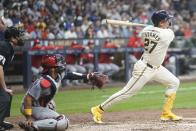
(156, 42)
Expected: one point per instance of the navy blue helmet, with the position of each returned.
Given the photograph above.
(159, 16)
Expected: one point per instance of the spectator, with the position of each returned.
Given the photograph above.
(103, 32)
(90, 33)
(106, 59)
(79, 32)
(61, 32)
(134, 42)
(187, 31)
(170, 63)
(2, 29)
(179, 31)
(71, 33)
(36, 59)
(73, 60)
(87, 58)
(36, 33)
(44, 13)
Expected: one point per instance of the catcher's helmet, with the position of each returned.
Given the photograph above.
(53, 61)
(159, 16)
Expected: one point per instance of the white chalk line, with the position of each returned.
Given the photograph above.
(159, 91)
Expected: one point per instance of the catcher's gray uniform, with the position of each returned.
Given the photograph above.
(45, 118)
(42, 91)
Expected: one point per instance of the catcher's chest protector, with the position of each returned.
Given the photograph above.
(49, 86)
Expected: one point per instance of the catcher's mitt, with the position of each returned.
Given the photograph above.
(97, 79)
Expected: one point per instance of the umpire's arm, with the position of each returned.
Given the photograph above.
(2, 81)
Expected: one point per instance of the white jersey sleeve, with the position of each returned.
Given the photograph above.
(156, 42)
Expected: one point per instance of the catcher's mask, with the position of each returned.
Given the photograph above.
(53, 61)
(16, 33)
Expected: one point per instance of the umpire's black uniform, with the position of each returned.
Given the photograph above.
(13, 37)
(6, 56)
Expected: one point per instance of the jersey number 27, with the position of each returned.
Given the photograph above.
(149, 45)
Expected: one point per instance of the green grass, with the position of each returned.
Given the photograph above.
(150, 97)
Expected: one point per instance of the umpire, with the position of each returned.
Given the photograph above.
(13, 37)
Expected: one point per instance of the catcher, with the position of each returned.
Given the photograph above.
(37, 105)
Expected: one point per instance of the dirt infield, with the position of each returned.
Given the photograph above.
(144, 120)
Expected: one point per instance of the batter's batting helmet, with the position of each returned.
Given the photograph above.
(160, 16)
(53, 61)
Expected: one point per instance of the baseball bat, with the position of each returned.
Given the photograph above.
(121, 22)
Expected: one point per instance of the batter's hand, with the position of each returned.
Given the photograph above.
(9, 91)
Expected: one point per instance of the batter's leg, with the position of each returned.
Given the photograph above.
(141, 75)
(165, 77)
(134, 85)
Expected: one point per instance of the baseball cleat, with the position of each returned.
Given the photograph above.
(6, 125)
(97, 114)
(170, 117)
(26, 127)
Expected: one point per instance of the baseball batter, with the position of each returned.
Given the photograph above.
(156, 40)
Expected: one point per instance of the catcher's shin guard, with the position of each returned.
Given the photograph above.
(61, 123)
(167, 114)
(97, 114)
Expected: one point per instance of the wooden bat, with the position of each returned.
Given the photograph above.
(121, 22)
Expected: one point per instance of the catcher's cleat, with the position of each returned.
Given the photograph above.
(97, 114)
(170, 117)
(25, 127)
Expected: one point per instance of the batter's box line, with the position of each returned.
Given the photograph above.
(106, 123)
(189, 119)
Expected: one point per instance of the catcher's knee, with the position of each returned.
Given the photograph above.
(51, 105)
(60, 123)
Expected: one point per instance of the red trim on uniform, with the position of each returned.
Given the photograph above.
(45, 83)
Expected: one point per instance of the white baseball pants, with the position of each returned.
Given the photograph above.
(142, 73)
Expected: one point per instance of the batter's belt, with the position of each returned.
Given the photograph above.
(149, 65)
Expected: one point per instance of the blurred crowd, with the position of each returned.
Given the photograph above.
(70, 19)
(63, 19)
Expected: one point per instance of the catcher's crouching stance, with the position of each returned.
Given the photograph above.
(37, 103)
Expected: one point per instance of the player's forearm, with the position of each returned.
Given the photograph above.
(75, 76)
(2, 80)
(28, 106)
(28, 102)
